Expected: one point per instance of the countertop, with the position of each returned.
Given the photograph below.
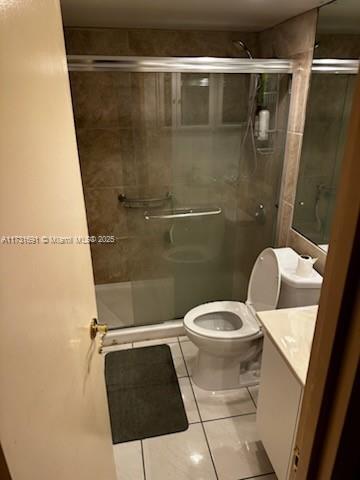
(292, 331)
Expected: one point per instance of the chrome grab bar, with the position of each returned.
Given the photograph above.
(142, 202)
(182, 213)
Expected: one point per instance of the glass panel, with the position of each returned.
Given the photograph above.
(195, 98)
(234, 99)
(168, 98)
(327, 116)
(197, 205)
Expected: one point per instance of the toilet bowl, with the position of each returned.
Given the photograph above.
(225, 333)
(228, 334)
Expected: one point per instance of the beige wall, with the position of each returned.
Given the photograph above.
(54, 418)
(294, 39)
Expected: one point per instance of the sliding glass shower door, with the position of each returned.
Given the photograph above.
(190, 189)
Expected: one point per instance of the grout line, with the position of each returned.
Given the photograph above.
(208, 445)
(201, 423)
(252, 398)
(143, 459)
(223, 418)
(230, 416)
(186, 367)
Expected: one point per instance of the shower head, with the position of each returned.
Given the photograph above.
(242, 45)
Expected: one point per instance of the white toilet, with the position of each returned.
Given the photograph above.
(229, 333)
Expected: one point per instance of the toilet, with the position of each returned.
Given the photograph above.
(229, 335)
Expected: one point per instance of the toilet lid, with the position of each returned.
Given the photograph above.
(265, 280)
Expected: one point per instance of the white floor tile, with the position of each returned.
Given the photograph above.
(236, 448)
(189, 350)
(156, 341)
(178, 360)
(179, 456)
(128, 461)
(254, 392)
(184, 338)
(189, 400)
(222, 404)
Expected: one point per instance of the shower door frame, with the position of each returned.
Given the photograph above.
(105, 63)
(175, 65)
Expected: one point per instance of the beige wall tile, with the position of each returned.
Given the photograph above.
(291, 167)
(338, 46)
(110, 262)
(299, 92)
(100, 158)
(93, 99)
(285, 220)
(105, 214)
(96, 41)
(188, 42)
(291, 37)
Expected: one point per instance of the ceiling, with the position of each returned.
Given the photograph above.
(244, 15)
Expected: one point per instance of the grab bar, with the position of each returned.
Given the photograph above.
(181, 213)
(142, 202)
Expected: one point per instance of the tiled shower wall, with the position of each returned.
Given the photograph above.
(121, 151)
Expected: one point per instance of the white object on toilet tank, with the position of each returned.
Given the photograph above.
(296, 290)
(264, 122)
(305, 265)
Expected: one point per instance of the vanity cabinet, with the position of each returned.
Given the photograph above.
(278, 409)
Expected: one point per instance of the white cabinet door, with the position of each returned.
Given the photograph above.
(278, 407)
(53, 412)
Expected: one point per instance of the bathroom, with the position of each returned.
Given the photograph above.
(206, 197)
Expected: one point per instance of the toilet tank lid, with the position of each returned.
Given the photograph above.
(288, 260)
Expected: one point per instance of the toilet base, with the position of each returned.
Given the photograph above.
(213, 373)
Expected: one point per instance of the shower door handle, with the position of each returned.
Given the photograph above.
(96, 328)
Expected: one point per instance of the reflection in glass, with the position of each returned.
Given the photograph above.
(327, 117)
(195, 98)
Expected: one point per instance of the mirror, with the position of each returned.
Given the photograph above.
(327, 117)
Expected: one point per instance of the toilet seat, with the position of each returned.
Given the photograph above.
(236, 318)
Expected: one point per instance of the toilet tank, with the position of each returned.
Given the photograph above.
(296, 291)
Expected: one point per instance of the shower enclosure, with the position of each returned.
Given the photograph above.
(175, 169)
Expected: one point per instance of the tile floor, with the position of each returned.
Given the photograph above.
(221, 442)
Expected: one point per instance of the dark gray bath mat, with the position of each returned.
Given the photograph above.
(143, 394)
